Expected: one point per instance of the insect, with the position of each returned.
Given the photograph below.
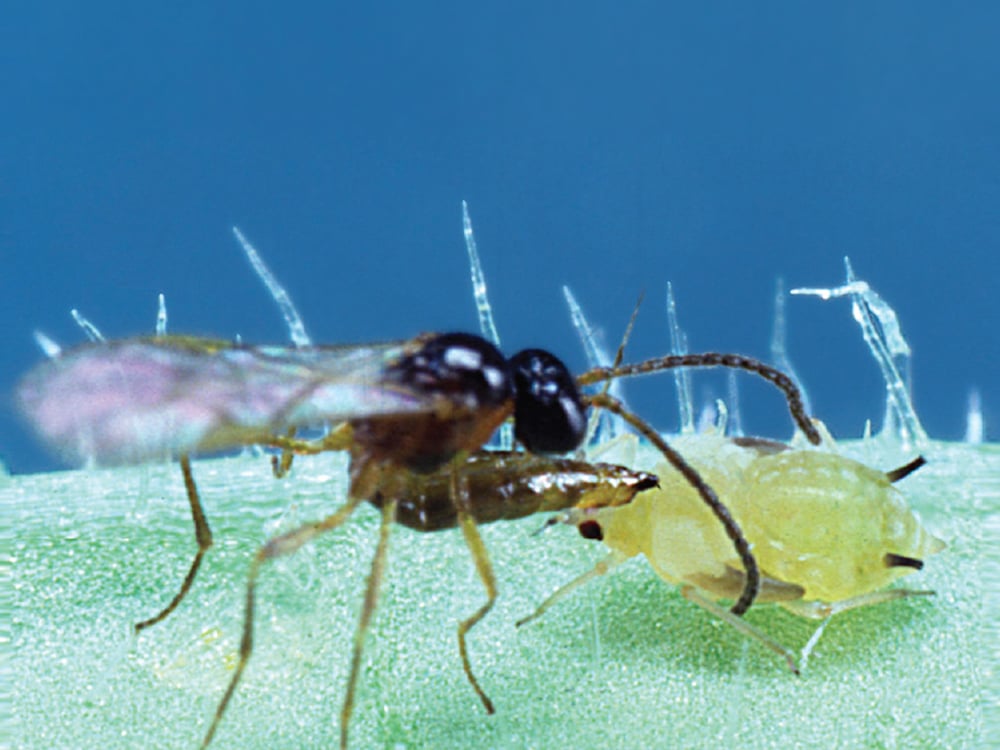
(829, 533)
(411, 414)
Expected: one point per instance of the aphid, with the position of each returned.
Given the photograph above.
(829, 533)
(410, 414)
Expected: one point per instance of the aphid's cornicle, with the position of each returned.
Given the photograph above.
(828, 532)
(413, 414)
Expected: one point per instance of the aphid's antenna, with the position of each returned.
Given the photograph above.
(682, 377)
(906, 469)
(92, 332)
(161, 315)
(296, 328)
(715, 359)
(596, 417)
(487, 324)
(690, 474)
(620, 354)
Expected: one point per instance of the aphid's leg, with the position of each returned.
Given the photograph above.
(741, 625)
(819, 610)
(203, 535)
(752, 584)
(811, 643)
(599, 569)
(279, 546)
(460, 496)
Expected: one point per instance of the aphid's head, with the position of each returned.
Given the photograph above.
(549, 416)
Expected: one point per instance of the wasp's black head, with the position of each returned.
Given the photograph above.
(548, 414)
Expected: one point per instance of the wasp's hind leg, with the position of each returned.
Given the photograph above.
(203, 535)
(473, 540)
(367, 610)
(286, 544)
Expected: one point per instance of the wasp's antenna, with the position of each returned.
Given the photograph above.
(708, 496)
(715, 359)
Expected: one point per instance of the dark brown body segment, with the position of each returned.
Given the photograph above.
(507, 485)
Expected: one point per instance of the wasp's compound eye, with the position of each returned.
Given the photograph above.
(548, 414)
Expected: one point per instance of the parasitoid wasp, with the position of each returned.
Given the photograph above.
(413, 416)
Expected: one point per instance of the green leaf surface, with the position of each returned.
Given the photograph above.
(624, 662)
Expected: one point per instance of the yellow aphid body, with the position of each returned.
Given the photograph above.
(829, 533)
(816, 520)
(830, 524)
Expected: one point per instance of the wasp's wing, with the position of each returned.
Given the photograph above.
(134, 399)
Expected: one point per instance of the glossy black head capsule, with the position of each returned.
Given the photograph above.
(549, 416)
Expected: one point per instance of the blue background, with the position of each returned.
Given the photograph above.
(608, 149)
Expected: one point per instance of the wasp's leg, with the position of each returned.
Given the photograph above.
(279, 546)
(744, 627)
(203, 535)
(822, 610)
(367, 610)
(473, 540)
(340, 438)
(281, 465)
(600, 569)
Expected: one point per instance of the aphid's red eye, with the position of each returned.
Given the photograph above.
(548, 414)
(591, 530)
